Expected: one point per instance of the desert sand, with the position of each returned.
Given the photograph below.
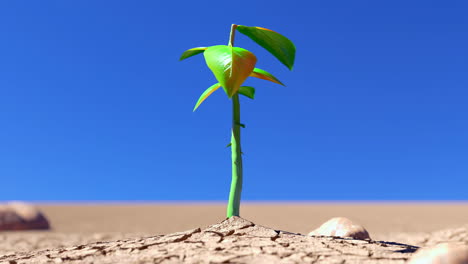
(272, 233)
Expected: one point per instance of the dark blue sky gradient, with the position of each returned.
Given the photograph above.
(94, 104)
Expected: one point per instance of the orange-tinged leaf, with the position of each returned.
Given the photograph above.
(230, 65)
(261, 74)
(192, 52)
(205, 94)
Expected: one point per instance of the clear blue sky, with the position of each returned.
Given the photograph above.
(94, 104)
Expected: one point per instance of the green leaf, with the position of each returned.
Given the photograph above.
(230, 65)
(261, 74)
(192, 52)
(205, 94)
(247, 91)
(228, 145)
(278, 45)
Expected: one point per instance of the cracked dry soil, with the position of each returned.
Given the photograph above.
(234, 240)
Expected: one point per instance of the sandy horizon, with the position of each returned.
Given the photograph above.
(300, 217)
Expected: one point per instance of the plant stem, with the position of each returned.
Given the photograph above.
(236, 153)
(236, 183)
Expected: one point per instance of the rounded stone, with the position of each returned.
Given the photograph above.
(445, 253)
(341, 227)
(21, 216)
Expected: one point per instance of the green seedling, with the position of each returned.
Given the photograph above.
(231, 66)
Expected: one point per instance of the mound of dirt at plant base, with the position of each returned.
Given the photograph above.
(234, 240)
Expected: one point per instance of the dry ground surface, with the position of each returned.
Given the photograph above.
(134, 233)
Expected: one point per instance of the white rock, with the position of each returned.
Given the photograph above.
(445, 253)
(341, 227)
